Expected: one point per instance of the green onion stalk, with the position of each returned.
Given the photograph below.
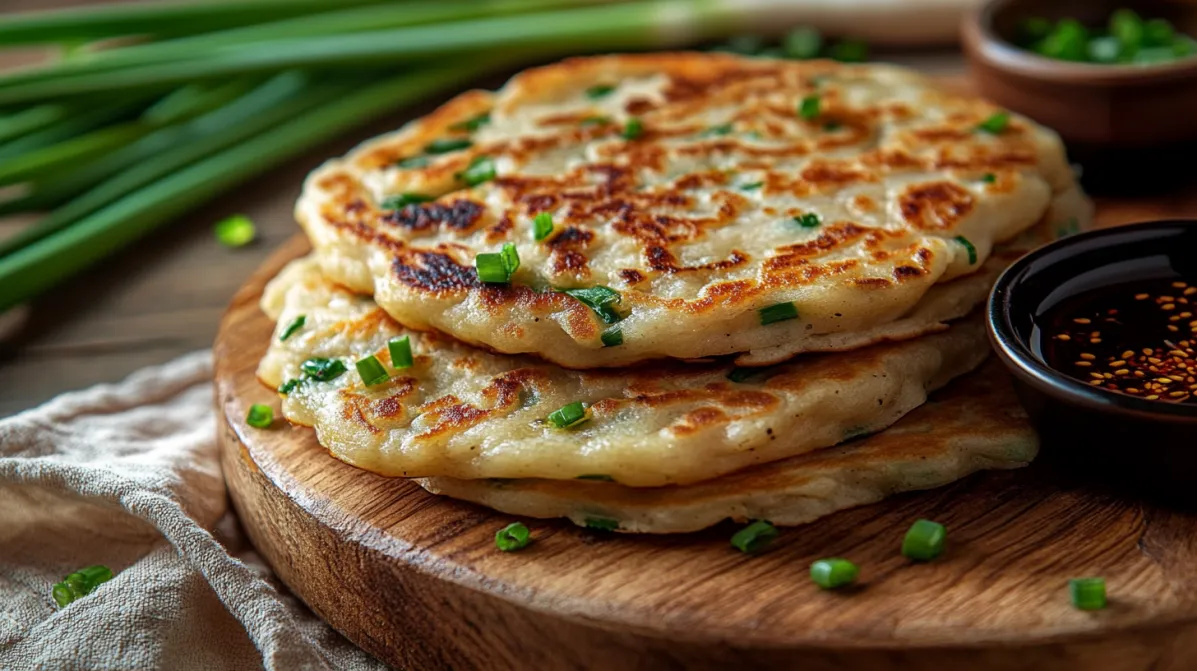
(39, 266)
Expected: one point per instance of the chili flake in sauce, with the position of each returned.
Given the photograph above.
(1138, 338)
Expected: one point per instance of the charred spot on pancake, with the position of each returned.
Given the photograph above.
(631, 276)
(936, 205)
(459, 215)
(906, 272)
(434, 272)
(568, 247)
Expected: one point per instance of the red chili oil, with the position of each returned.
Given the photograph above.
(1138, 338)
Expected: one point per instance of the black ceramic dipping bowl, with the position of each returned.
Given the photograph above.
(1123, 440)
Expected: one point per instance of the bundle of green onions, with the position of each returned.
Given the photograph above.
(155, 108)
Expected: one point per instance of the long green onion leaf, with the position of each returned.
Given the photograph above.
(38, 267)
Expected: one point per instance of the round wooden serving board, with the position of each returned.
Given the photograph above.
(416, 579)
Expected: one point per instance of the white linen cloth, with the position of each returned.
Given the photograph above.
(128, 476)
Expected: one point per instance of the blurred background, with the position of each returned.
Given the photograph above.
(150, 152)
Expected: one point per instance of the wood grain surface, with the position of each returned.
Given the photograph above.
(416, 579)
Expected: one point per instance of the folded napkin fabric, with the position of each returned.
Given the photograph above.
(128, 476)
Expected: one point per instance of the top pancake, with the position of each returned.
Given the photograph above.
(695, 220)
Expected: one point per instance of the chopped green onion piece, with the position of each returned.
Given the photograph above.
(632, 129)
(1104, 49)
(746, 45)
(514, 536)
(1126, 25)
(372, 371)
(260, 416)
(481, 169)
(79, 584)
(289, 386)
(323, 370)
(492, 269)
(1184, 46)
(972, 251)
(600, 299)
(542, 226)
(612, 337)
(754, 537)
(809, 107)
(446, 145)
(1034, 29)
(989, 178)
(568, 416)
(759, 374)
(995, 124)
(414, 162)
(1158, 33)
(802, 43)
(778, 313)
(1068, 41)
(602, 524)
(924, 540)
(236, 231)
(1088, 593)
(471, 125)
(293, 327)
(832, 126)
(807, 220)
(833, 573)
(721, 129)
(400, 350)
(600, 478)
(594, 121)
(599, 91)
(849, 51)
(752, 186)
(403, 200)
(511, 258)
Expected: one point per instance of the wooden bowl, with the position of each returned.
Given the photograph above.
(1112, 106)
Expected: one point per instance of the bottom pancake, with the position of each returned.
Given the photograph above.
(972, 425)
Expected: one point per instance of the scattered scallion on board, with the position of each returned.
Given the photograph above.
(969, 247)
(754, 537)
(79, 584)
(236, 231)
(568, 416)
(924, 540)
(293, 327)
(260, 416)
(514, 536)
(542, 226)
(372, 372)
(778, 313)
(400, 351)
(833, 573)
(1088, 593)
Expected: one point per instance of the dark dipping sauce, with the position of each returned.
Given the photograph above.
(1137, 338)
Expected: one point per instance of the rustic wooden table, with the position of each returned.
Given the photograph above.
(164, 296)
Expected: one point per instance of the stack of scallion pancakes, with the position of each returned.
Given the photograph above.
(653, 292)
